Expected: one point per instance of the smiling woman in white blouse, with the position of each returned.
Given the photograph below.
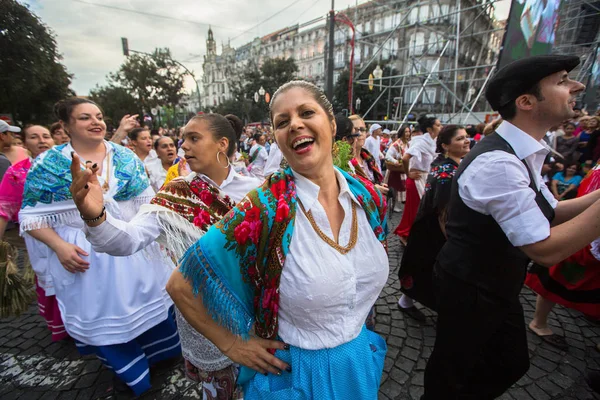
(178, 216)
(284, 282)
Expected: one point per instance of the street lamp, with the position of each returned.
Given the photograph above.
(378, 74)
(261, 91)
(358, 103)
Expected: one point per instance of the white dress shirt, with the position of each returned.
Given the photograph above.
(374, 147)
(325, 296)
(274, 160)
(120, 238)
(497, 183)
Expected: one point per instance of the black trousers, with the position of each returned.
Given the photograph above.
(481, 345)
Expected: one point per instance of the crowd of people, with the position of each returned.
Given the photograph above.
(256, 254)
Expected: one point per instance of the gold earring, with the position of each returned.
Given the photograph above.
(226, 158)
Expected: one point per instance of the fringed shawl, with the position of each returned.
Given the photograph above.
(237, 264)
(47, 200)
(365, 155)
(186, 207)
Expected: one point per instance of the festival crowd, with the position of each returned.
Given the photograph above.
(254, 255)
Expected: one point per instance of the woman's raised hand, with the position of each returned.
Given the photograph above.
(254, 354)
(85, 189)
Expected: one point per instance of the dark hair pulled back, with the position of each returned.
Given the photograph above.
(228, 126)
(135, 132)
(64, 108)
(445, 137)
(426, 122)
(157, 141)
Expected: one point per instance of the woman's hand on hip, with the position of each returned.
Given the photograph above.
(85, 189)
(414, 175)
(383, 188)
(69, 256)
(253, 353)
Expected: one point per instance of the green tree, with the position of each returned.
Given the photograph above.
(32, 77)
(152, 79)
(115, 101)
(366, 96)
(273, 73)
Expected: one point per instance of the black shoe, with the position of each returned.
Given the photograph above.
(413, 312)
(593, 380)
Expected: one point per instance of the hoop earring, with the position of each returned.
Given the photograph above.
(226, 158)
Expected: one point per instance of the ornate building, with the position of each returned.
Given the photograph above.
(217, 71)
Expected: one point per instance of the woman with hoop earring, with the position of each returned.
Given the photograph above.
(177, 217)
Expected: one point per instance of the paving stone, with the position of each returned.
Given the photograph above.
(561, 380)
(418, 379)
(405, 364)
(391, 389)
(520, 394)
(409, 353)
(416, 392)
(85, 381)
(414, 343)
(398, 375)
(549, 387)
(537, 393)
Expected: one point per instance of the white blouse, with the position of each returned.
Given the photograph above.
(325, 296)
(261, 158)
(422, 150)
(156, 173)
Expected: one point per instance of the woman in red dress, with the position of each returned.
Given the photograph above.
(573, 283)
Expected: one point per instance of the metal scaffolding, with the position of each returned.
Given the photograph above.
(455, 41)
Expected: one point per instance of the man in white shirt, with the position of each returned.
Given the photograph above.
(500, 216)
(373, 143)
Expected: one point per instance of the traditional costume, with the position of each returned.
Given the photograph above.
(177, 217)
(258, 158)
(118, 309)
(269, 268)
(367, 167)
(426, 236)
(422, 150)
(499, 202)
(574, 282)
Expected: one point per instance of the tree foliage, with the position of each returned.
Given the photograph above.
(367, 97)
(115, 101)
(152, 79)
(273, 73)
(32, 77)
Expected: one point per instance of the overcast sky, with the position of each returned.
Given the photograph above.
(89, 31)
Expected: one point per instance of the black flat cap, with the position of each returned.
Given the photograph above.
(519, 76)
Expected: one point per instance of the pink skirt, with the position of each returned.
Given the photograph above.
(49, 310)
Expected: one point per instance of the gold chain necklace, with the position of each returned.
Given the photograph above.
(326, 239)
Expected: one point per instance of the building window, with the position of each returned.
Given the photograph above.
(303, 72)
(336, 77)
(387, 23)
(339, 59)
(319, 68)
(417, 42)
(414, 15)
(378, 25)
(428, 96)
(310, 70)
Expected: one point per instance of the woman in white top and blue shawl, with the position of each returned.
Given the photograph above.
(114, 307)
(290, 274)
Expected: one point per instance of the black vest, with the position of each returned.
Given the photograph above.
(477, 250)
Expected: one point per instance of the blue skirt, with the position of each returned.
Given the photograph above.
(131, 361)
(349, 371)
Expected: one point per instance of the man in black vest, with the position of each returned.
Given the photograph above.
(500, 216)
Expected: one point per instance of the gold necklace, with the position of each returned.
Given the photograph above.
(326, 239)
(105, 185)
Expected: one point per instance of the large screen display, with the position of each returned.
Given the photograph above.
(530, 30)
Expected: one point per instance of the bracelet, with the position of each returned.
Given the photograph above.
(94, 219)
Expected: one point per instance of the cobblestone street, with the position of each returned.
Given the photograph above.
(32, 367)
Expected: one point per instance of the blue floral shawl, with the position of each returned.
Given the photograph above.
(47, 200)
(237, 264)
